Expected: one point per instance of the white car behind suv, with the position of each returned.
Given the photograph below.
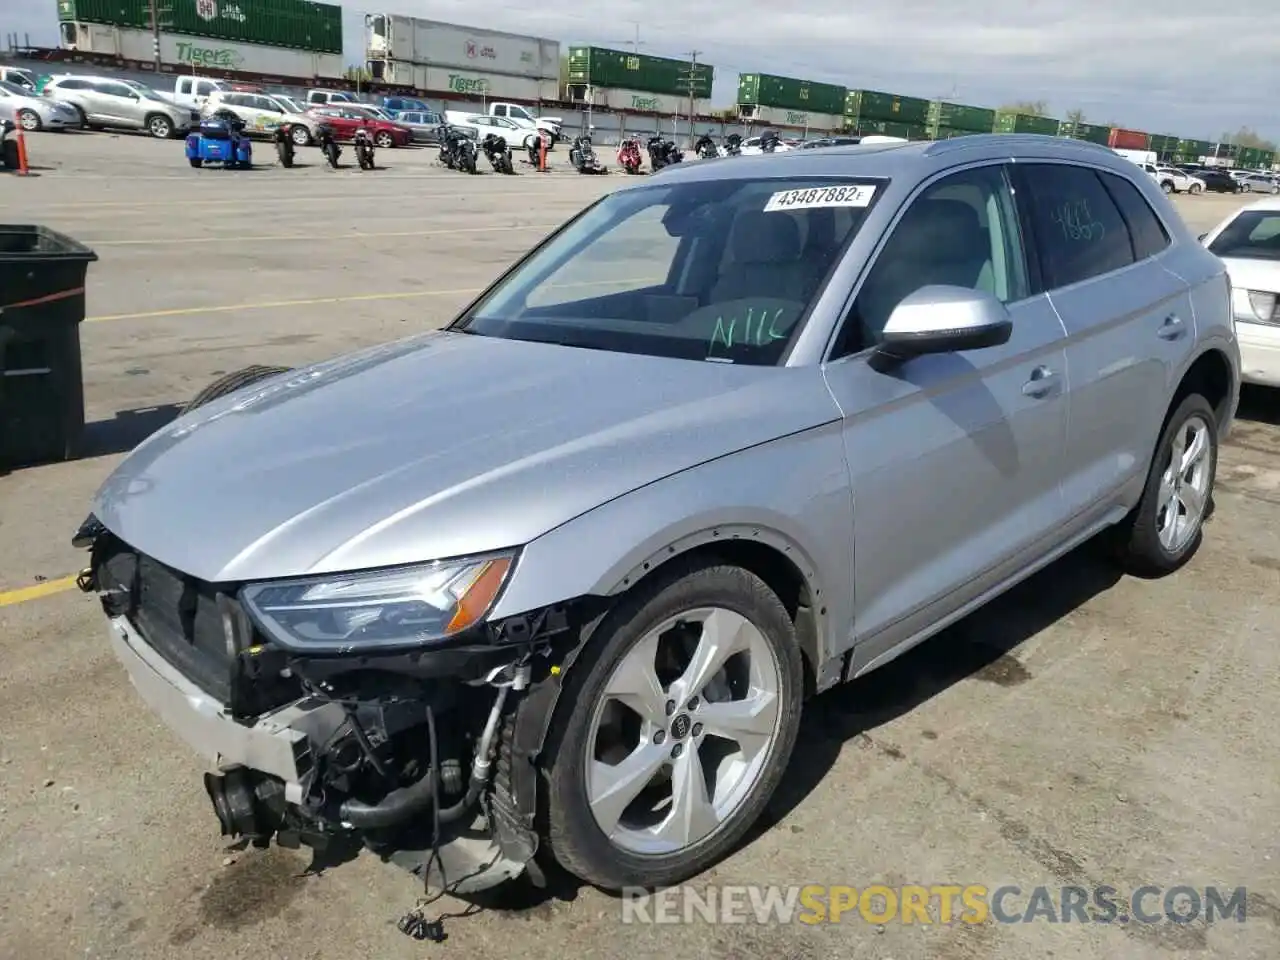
(261, 113)
(1173, 180)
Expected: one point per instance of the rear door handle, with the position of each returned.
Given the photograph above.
(1042, 383)
(1172, 328)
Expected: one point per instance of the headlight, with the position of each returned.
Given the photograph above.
(379, 610)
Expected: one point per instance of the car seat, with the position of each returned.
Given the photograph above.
(766, 260)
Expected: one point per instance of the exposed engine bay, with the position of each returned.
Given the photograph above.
(424, 757)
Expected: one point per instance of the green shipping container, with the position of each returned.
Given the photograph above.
(890, 128)
(960, 116)
(874, 105)
(616, 70)
(1194, 149)
(1090, 132)
(787, 93)
(1012, 122)
(1224, 149)
(1163, 145)
(297, 24)
(936, 131)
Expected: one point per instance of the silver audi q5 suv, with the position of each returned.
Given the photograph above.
(555, 583)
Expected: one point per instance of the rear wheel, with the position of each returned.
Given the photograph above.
(1194, 189)
(1167, 186)
(1165, 529)
(384, 140)
(231, 382)
(301, 136)
(196, 162)
(29, 120)
(674, 729)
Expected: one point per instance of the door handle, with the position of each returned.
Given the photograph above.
(1172, 328)
(1042, 382)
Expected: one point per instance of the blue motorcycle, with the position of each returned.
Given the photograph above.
(220, 139)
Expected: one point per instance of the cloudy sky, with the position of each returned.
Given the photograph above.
(1183, 67)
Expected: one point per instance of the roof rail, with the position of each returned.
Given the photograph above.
(940, 147)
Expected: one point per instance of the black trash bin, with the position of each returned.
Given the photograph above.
(42, 277)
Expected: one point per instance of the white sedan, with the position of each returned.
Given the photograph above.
(1248, 242)
(33, 112)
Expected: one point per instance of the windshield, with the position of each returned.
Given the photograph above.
(15, 89)
(1254, 235)
(720, 270)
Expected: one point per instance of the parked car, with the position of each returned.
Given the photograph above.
(394, 105)
(21, 77)
(1216, 181)
(108, 102)
(423, 125)
(1173, 180)
(840, 141)
(843, 399)
(346, 118)
(322, 97)
(33, 112)
(518, 136)
(1248, 241)
(1259, 183)
(262, 114)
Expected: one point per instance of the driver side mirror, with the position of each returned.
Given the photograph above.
(1201, 237)
(944, 319)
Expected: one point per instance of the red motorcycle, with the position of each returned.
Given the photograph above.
(629, 156)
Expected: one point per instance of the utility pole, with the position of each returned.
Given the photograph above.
(692, 81)
(158, 22)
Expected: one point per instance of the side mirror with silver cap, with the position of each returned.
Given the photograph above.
(944, 319)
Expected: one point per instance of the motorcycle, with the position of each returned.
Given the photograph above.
(705, 148)
(364, 149)
(499, 155)
(769, 141)
(328, 145)
(283, 136)
(629, 158)
(583, 156)
(458, 150)
(662, 153)
(733, 145)
(534, 150)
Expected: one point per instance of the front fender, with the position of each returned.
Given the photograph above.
(792, 494)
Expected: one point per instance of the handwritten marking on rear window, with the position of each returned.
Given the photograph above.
(751, 331)
(810, 197)
(1077, 222)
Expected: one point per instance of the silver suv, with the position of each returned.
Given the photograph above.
(561, 577)
(108, 102)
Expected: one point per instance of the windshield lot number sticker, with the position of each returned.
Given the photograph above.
(808, 198)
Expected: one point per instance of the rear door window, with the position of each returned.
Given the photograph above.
(1078, 229)
(1148, 233)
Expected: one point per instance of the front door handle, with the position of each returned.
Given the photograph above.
(1172, 328)
(1042, 383)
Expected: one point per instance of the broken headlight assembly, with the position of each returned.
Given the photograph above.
(378, 610)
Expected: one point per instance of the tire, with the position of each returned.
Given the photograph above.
(231, 382)
(159, 126)
(1247, 187)
(195, 162)
(29, 121)
(301, 136)
(1142, 550)
(1194, 189)
(1167, 186)
(84, 121)
(384, 140)
(573, 833)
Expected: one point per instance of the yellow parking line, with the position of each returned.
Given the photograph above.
(312, 237)
(10, 597)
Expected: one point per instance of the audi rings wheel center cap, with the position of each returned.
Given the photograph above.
(680, 726)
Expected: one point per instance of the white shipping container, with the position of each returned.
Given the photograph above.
(636, 101)
(204, 54)
(444, 82)
(777, 116)
(439, 44)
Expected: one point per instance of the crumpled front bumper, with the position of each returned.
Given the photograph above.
(278, 744)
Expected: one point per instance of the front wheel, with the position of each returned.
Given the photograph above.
(1247, 187)
(301, 136)
(1165, 529)
(1194, 189)
(160, 127)
(674, 729)
(384, 140)
(1167, 186)
(29, 120)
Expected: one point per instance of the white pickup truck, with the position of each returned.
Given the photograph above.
(522, 117)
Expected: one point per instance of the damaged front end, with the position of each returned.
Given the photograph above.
(322, 731)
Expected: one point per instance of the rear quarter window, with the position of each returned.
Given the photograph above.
(1079, 231)
(1148, 233)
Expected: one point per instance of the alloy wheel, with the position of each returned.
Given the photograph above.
(1184, 486)
(682, 732)
(29, 120)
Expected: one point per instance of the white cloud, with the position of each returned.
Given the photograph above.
(1178, 66)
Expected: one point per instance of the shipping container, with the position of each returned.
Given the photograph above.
(209, 57)
(874, 105)
(641, 101)
(600, 67)
(784, 117)
(1089, 132)
(891, 128)
(959, 116)
(1163, 145)
(1193, 150)
(1121, 139)
(446, 82)
(1226, 150)
(787, 93)
(1009, 121)
(292, 24)
(435, 44)
(935, 131)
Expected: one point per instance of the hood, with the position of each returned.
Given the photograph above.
(442, 445)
